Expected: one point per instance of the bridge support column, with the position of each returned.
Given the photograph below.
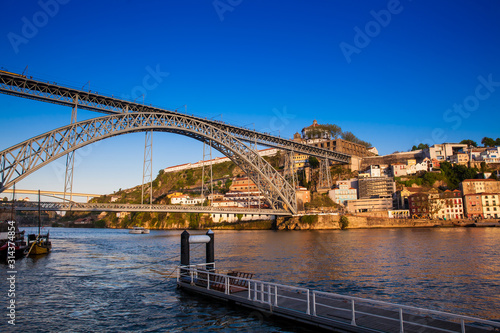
(70, 159)
(147, 167)
(325, 179)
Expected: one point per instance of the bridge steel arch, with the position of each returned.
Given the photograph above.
(20, 160)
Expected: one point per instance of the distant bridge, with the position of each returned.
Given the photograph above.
(124, 117)
(53, 194)
(115, 207)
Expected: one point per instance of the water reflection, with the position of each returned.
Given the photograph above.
(110, 280)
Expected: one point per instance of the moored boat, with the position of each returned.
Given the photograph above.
(138, 230)
(38, 244)
(11, 237)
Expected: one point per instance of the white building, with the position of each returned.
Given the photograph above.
(399, 169)
(186, 200)
(491, 155)
(373, 150)
(217, 218)
(442, 152)
(425, 165)
(217, 160)
(491, 205)
(226, 203)
(343, 192)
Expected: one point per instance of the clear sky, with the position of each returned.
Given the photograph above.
(395, 73)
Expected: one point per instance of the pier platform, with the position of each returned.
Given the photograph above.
(324, 310)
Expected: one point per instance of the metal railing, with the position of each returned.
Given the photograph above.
(333, 307)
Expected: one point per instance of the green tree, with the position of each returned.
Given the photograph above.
(469, 142)
(488, 142)
(228, 183)
(494, 176)
(334, 131)
(5, 199)
(497, 142)
(484, 167)
(349, 136)
(343, 222)
(313, 162)
(420, 146)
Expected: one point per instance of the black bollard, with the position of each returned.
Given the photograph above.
(185, 248)
(210, 250)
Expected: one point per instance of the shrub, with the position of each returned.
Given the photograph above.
(343, 222)
(309, 219)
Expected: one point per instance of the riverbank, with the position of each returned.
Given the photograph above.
(332, 221)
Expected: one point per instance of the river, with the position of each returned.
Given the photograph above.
(108, 280)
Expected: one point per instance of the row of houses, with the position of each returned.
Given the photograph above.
(476, 198)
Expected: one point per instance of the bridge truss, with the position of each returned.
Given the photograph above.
(17, 85)
(124, 117)
(26, 157)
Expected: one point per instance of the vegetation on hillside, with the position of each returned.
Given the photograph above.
(321, 200)
(489, 142)
(332, 131)
(451, 174)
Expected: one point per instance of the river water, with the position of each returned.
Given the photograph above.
(107, 280)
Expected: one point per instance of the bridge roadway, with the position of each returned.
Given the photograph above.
(118, 207)
(53, 194)
(21, 86)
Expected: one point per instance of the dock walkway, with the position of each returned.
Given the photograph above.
(325, 310)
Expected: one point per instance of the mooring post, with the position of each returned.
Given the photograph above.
(210, 255)
(185, 248)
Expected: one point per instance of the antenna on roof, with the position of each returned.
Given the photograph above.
(25, 71)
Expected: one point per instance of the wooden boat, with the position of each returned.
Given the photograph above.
(138, 230)
(12, 243)
(11, 240)
(38, 244)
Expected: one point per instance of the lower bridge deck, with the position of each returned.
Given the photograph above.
(323, 310)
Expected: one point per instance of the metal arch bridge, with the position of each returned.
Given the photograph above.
(115, 207)
(125, 117)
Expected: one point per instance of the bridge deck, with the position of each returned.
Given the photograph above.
(325, 310)
(100, 207)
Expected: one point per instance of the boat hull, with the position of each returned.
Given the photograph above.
(39, 249)
(138, 231)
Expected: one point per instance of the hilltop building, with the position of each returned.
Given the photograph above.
(444, 151)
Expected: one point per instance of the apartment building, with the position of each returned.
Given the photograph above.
(491, 205)
(376, 187)
(473, 186)
(343, 192)
(445, 205)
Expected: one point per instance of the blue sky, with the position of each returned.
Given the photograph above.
(388, 71)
